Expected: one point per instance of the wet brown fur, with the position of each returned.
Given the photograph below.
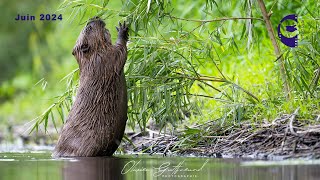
(97, 119)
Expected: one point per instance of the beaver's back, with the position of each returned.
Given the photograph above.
(96, 122)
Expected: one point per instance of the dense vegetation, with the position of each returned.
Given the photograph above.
(189, 62)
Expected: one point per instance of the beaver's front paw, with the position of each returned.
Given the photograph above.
(123, 31)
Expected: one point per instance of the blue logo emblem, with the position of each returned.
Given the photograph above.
(289, 41)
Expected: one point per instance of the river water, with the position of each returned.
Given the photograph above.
(39, 165)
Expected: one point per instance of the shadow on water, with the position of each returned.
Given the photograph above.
(93, 168)
(40, 166)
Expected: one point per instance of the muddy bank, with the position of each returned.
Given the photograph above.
(285, 137)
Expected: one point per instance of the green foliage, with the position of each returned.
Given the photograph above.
(189, 60)
(302, 63)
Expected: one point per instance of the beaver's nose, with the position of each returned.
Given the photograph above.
(95, 18)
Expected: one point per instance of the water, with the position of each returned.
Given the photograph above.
(40, 166)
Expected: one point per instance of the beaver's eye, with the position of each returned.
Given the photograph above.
(84, 48)
(89, 28)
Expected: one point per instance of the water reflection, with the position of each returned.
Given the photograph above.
(42, 167)
(93, 168)
(151, 167)
(274, 173)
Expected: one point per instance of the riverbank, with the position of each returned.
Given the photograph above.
(286, 137)
(283, 138)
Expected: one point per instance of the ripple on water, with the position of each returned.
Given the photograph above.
(7, 159)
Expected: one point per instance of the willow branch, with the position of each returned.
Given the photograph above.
(217, 19)
(277, 50)
(214, 79)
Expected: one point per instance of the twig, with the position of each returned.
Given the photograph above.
(291, 122)
(206, 96)
(277, 51)
(216, 79)
(252, 135)
(214, 136)
(284, 138)
(167, 148)
(159, 133)
(268, 139)
(217, 19)
(246, 91)
(134, 135)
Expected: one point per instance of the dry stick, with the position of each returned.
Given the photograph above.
(291, 122)
(167, 148)
(158, 132)
(284, 138)
(251, 135)
(215, 145)
(214, 136)
(266, 18)
(266, 140)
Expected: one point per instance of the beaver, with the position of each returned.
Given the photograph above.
(97, 119)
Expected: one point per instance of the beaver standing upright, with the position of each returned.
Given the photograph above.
(97, 119)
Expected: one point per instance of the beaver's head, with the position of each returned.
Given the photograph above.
(93, 38)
